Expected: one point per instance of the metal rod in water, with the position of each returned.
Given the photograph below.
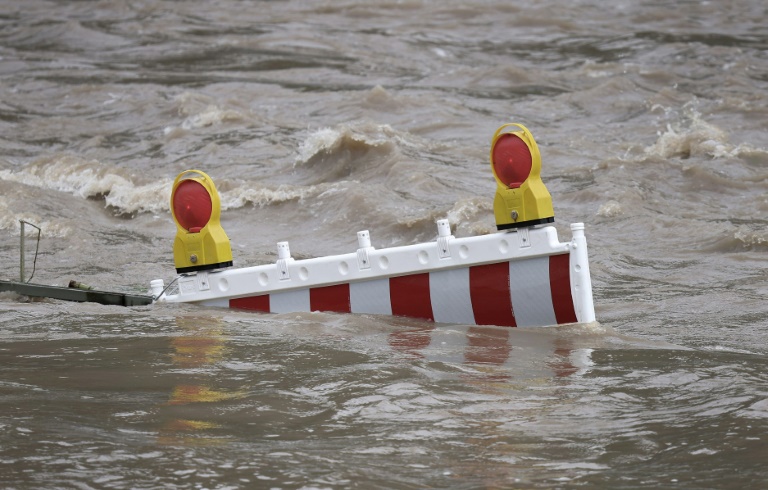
(22, 271)
(21, 255)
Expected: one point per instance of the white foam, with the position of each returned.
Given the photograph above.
(751, 237)
(610, 209)
(264, 196)
(691, 135)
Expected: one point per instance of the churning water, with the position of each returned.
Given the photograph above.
(319, 119)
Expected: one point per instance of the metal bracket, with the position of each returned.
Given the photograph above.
(364, 245)
(525, 237)
(282, 268)
(363, 261)
(443, 249)
(202, 281)
(283, 256)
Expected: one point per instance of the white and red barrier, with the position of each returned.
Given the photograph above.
(523, 277)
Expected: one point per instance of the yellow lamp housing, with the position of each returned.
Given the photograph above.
(201, 243)
(521, 199)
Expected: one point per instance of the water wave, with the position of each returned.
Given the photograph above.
(730, 238)
(471, 216)
(359, 151)
(328, 162)
(200, 111)
(325, 141)
(92, 179)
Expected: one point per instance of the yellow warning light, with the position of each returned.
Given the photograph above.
(521, 197)
(201, 243)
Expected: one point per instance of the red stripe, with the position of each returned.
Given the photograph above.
(489, 292)
(258, 303)
(409, 296)
(330, 298)
(560, 286)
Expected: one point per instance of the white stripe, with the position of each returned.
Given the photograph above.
(289, 301)
(370, 297)
(216, 302)
(530, 291)
(449, 292)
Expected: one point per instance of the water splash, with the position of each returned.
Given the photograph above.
(692, 136)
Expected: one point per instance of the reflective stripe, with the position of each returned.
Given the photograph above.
(449, 294)
(530, 292)
(370, 297)
(289, 301)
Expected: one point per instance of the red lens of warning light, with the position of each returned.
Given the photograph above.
(511, 160)
(192, 205)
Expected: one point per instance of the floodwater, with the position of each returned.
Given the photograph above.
(320, 119)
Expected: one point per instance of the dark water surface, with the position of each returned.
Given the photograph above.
(320, 119)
